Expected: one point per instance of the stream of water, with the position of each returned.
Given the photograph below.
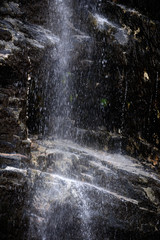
(62, 69)
(83, 193)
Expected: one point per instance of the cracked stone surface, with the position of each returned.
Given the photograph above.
(75, 192)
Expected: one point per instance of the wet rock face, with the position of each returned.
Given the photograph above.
(114, 71)
(74, 192)
(70, 192)
(12, 110)
(13, 191)
(115, 64)
(99, 198)
(120, 87)
(35, 11)
(22, 46)
(150, 8)
(122, 65)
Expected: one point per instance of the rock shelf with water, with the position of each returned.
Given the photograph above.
(75, 192)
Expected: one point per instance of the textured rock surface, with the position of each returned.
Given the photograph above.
(115, 46)
(121, 88)
(105, 196)
(13, 191)
(22, 46)
(116, 67)
(149, 8)
(115, 73)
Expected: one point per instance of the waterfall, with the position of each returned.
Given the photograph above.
(62, 101)
(82, 193)
(79, 102)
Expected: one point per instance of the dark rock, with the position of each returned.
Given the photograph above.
(14, 160)
(150, 8)
(22, 45)
(13, 191)
(5, 35)
(10, 9)
(7, 146)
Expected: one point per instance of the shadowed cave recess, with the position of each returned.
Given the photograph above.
(79, 120)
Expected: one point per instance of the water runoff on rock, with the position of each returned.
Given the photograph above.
(85, 194)
(81, 193)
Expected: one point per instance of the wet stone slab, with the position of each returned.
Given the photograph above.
(80, 193)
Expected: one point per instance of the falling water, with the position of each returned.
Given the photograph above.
(61, 188)
(62, 75)
(81, 189)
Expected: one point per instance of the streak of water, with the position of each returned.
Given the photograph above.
(82, 185)
(62, 74)
(117, 160)
(120, 34)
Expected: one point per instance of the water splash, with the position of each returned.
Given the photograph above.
(119, 33)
